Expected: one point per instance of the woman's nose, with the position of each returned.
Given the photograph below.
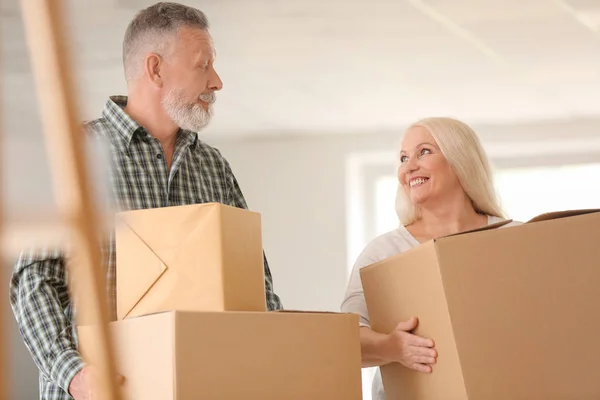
(412, 165)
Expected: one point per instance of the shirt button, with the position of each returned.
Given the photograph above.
(159, 156)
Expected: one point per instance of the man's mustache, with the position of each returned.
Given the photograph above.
(209, 98)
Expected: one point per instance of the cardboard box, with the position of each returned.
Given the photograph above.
(236, 355)
(201, 257)
(513, 311)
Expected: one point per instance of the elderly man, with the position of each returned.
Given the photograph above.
(159, 161)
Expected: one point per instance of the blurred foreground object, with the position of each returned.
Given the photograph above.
(65, 145)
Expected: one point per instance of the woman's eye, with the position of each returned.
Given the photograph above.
(403, 159)
(425, 151)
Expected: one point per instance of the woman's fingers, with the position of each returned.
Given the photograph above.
(422, 351)
(416, 352)
(424, 360)
(414, 340)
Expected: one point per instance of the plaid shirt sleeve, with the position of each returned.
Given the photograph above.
(39, 299)
(237, 198)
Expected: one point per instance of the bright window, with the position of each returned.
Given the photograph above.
(526, 193)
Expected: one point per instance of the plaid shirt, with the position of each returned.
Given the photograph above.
(140, 180)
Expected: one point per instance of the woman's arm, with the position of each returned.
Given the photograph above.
(373, 347)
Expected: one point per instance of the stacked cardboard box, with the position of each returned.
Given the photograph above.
(513, 311)
(193, 321)
(204, 257)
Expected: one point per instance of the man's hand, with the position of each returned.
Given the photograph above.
(84, 383)
(412, 351)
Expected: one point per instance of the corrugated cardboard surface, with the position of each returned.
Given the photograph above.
(202, 257)
(521, 301)
(416, 292)
(239, 355)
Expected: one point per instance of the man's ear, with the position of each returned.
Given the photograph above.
(153, 68)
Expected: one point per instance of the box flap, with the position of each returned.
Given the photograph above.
(483, 228)
(173, 312)
(141, 274)
(150, 254)
(562, 214)
(309, 312)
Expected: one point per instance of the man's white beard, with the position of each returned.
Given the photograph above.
(191, 117)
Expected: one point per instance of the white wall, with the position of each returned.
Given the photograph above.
(298, 184)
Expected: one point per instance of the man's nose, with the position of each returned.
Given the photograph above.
(215, 83)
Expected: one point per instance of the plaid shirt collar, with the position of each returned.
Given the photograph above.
(127, 127)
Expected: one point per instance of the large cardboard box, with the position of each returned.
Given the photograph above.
(236, 356)
(513, 311)
(201, 257)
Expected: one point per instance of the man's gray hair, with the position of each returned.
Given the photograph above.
(152, 28)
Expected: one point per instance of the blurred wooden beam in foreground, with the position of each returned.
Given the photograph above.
(48, 45)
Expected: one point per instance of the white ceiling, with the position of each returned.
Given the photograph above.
(316, 66)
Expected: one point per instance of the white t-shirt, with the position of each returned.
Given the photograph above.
(384, 246)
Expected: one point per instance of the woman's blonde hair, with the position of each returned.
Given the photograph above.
(460, 145)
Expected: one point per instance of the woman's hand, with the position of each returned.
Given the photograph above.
(412, 351)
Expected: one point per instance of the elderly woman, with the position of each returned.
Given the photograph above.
(445, 187)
